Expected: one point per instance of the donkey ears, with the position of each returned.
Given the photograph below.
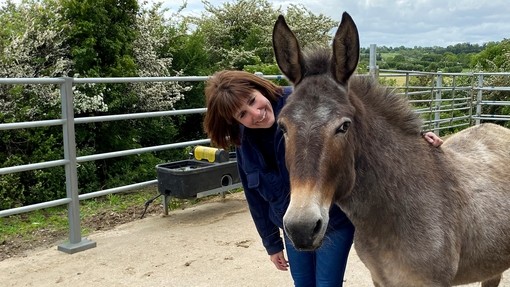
(287, 51)
(290, 58)
(345, 50)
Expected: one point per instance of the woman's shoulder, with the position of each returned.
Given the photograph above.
(287, 90)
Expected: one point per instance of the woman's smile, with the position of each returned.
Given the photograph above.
(257, 112)
(264, 112)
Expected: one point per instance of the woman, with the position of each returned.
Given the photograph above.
(241, 110)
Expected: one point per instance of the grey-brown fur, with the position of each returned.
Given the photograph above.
(424, 216)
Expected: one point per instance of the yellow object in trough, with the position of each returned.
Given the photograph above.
(210, 154)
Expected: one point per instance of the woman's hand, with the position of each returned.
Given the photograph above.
(433, 139)
(279, 261)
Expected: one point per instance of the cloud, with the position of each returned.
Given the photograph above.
(408, 22)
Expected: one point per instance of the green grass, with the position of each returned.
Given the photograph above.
(54, 220)
(26, 225)
(44, 227)
(387, 56)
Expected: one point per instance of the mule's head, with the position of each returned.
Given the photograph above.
(316, 122)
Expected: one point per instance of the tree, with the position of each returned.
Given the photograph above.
(160, 42)
(101, 36)
(310, 29)
(239, 33)
(32, 46)
(149, 48)
(495, 58)
(53, 38)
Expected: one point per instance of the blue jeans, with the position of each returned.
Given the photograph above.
(324, 266)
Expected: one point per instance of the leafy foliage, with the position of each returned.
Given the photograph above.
(51, 38)
(238, 34)
(495, 58)
(153, 61)
(32, 47)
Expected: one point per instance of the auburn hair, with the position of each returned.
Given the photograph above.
(225, 93)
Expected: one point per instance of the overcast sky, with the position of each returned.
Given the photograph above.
(406, 22)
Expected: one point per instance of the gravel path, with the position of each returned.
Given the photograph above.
(212, 244)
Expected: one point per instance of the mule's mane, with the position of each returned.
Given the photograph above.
(377, 99)
(383, 101)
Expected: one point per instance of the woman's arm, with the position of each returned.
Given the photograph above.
(259, 210)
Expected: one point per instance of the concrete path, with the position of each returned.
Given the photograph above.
(212, 244)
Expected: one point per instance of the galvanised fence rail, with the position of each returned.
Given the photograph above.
(71, 161)
(447, 101)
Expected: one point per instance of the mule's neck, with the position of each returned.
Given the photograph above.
(392, 163)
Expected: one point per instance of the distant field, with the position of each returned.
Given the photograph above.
(385, 56)
(400, 81)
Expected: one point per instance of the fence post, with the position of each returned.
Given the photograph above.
(479, 96)
(76, 242)
(407, 85)
(437, 113)
(372, 67)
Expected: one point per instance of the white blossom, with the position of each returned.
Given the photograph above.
(153, 30)
(34, 49)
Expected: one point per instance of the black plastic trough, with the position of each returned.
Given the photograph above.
(191, 178)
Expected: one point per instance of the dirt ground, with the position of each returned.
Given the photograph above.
(211, 244)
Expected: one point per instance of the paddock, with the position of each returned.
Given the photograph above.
(211, 244)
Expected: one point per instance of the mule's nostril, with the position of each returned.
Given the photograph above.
(317, 227)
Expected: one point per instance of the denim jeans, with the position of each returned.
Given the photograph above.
(324, 267)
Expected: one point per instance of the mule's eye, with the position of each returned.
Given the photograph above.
(342, 129)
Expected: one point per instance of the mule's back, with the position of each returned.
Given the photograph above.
(481, 157)
(484, 151)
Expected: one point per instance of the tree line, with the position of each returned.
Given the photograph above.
(456, 58)
(128, 38)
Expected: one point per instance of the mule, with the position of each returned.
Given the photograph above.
(424, 216)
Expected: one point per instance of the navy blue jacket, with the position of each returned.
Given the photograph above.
(266, 182)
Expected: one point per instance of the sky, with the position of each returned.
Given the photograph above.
(409, 23)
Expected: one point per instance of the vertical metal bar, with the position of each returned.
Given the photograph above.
(407, 85)
(372, 67)
(452, 103)
(471, 99)
(437, 113)
(76, 242)
(479, 99)
(166, 199)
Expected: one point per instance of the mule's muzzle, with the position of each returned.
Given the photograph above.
(305, 235)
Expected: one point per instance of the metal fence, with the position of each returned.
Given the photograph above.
(70, 161)
(447, 101)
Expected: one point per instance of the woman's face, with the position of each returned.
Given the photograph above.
(256, 112)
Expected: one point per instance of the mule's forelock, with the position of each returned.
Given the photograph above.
(317, 61)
